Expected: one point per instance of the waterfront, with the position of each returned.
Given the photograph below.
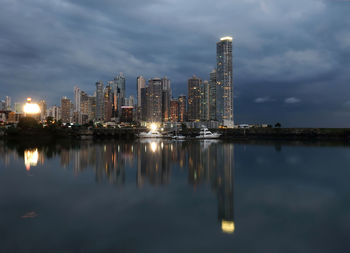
(168, 196)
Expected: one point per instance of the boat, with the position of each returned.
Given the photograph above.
(206, 134)
(178, 137)
(151, 134)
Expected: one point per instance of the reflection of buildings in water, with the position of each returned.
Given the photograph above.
(153, 162)
(207, 161)
(6, 155)
(225, 181)
(110, 163)
(107, 160)
(210, 161)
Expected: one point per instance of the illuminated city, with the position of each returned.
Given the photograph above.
(174, 126)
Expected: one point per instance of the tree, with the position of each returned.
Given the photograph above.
(28, 123)
(278, 125)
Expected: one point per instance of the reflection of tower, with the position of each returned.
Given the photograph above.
(65, 158)
(110, 163)
(225, 180)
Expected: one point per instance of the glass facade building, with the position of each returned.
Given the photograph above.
(224, 81)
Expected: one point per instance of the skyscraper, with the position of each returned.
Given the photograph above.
(107, 103)
(205, 101)
(84, 107)
(144, 98)
(224, 81)
(119, 91)
(91, 108)
(174, 110)
(77, 97)
(99, 101)
(8, 103)
(154, 103)
(43, 107)
(66, 106)
(182, 108)
(141, 83)
(212, 95)
(166, 97)
(194, 98)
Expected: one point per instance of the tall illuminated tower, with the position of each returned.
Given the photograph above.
(224, 81)
(194, 98)
(99, 101)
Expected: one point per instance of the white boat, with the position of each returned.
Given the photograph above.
(178, 137)
(206, 134)
(151, 134)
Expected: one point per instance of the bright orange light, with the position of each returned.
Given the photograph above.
(153, 126)
(31, 157)
(30, 108)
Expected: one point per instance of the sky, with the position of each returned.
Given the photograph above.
(291, 58)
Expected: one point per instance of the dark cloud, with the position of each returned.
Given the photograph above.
(281, 49)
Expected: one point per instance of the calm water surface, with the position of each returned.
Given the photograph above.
(166, 196)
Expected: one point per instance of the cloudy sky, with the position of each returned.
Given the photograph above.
(291, 58)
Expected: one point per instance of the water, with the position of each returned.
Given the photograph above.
(166, 196)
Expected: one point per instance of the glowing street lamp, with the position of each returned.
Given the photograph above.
(153, 127)
(31, 108)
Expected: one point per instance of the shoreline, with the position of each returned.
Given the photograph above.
(238, 135)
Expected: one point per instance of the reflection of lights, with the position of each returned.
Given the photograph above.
(153, 147)
(31, 157)
(153, 126)
(30, 108)
(227, 226)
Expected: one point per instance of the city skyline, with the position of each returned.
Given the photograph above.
(291, 59)
(207, 102)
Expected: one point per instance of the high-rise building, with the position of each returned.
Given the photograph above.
(91, 108)
(141, 83)
(84, 107)
(224, 81)
(99, 101)
(194, 98)
(127, 114)
(19, 107)
(119, 94)
(166, 97)
(54, 112)
(205, 101)
(212, 95)
(154, 100)
(8, 103)
(43, 109)
(174, 110)
(66, 106)
(107, 104)
(144, 99)
(77, 97)
(129, 101)
(182, 108)
(3, 105)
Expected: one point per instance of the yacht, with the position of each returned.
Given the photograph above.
(206, 134)
(151, 134)
(178, 137)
